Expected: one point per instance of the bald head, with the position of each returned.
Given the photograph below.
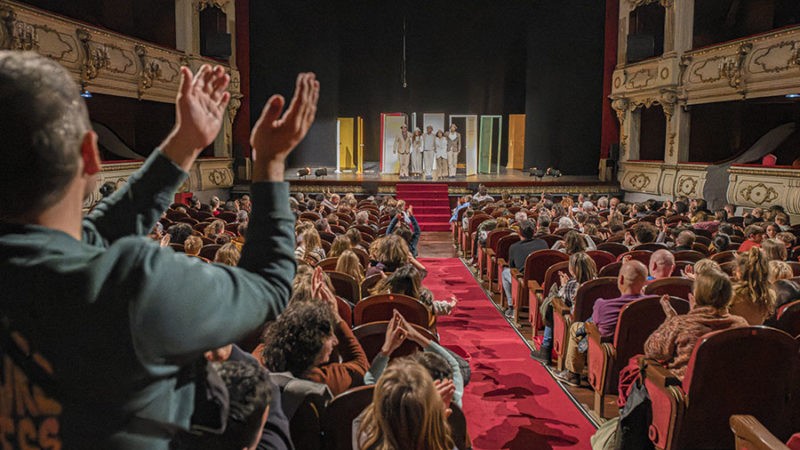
(632, 278)
(662, 263)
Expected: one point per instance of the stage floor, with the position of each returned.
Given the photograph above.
(513, 181)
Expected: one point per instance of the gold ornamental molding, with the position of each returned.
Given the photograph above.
(639, 181)
(687, 185)
(759, 194)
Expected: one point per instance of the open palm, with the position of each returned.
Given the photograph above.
(201, 105)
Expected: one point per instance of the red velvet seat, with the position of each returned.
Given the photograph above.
(227, 216)
(587, 295)
(209, 251)
(337, 422)
(795, 268)
(363, 257)
(789, 318)
(176, 247)
(338, 229)
(610, 270)
(637, 321)
(345, 310)
(467, 235)
(525, 285)
(728, 267)
(643, 256)
(752, 435)
(550, 278)
(369, 283)
(381, 307)
(551, 239)
(688, 255)
(492, 239)
(650, 247)
(674, 286)
(310, 215)
(601, 258)
(328, 263)
(366, 229)
(326, 245)
(499, 261)
(327, 237)
(615, 248)
(372, 335)
(750, 370)
(345, 286)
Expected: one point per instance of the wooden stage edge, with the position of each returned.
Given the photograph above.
(513, 181)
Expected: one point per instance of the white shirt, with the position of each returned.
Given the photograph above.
(429, 140)
(441, 147)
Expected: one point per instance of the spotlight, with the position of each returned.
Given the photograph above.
(793, 96)
(303, 172)
(553, 172)
(321, 172)
(86, 94)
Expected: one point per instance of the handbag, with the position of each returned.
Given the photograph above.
(634, 420)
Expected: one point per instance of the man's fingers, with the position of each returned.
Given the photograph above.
(311, 110)
(219, 84)
(199, 77)
(186, 81)
(294, 105)
(208, 79)
(272, 110)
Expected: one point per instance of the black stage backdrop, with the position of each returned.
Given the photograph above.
(543, 59)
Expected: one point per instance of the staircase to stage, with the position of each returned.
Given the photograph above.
(431, 204)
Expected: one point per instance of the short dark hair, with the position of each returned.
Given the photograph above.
(249, 393)
(645, 233)
(435, 364)
(295, 339)
(527, 228)
(43, 122)
(179, 232)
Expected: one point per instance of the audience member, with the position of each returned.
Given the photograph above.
(662, 264)
(517, 254)
(754, 235)
(752, 297)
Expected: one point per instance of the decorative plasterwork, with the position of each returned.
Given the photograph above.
(687, 185)
(657, 178)
(637, 3)
(759, 186)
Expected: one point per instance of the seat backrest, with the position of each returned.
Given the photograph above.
(227, 216)
(345, 286)
(700, 247)
(673, 286)
(504, 244)
(551, 239)
(589, 292)
(372, 335)
(728, 267)
(688, 255)
(363, 257)
(650, 247)
(337, 422)
(380, 307)
(748, 370)
(703, 233)
(328, 263)
(642, 256)
(601, 258)
(209, 251)
(723, 257)
(551, 276)
(476, 220)
(637, 321)
(537, 263)
(795, 268)
(610, 270)
(789, 318)
(615, 248)
(328, 237)
(494, 237)
(338, 229)
(369, 283)
(458, 426)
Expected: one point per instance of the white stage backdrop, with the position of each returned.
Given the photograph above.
(436, 120)
(390, 127)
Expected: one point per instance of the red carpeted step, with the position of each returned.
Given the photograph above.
(431, 204)
(434, 227)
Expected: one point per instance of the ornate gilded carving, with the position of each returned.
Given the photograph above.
(687, 185)
(94, 58)
(220, 177)
(24, 37)
(668, 99)
(671, 143)
(759, 194)
(732, 67)
(8, 17)
(637, 3)
(776, 58)
(221, 4)
(639, 181)
(640, 79)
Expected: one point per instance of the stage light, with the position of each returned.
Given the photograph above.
(536, 172)
(793, 96)
(321, 172)
(86, 94)
(553, 172)
(303, 172)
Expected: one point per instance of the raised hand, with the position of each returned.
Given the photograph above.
(446, 390)
(669, 311)
(395, 336)
(275, 136)
(563, 278)
(199, 110)
(165, 240)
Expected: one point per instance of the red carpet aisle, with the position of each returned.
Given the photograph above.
(431, 204)
(512, 402)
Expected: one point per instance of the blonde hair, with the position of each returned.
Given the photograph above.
(779, 270)
(583, 267)
(228, 254)
(705, 265)
(214, 228)
(349, 263)
(774, 250)
(406, 412)
(340, 244)
(192, 245)
(754, 279)
(712, 288)
(311, 242)
(392, 251)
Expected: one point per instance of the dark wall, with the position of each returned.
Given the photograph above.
(564, 86)
(467, 57)
(291, 37)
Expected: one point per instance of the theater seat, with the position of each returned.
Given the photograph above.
(498, 262)
(642, 256)
(337, 421)
(587, 295)
(345, 286)
(637, 321)
(328, 263)
(752, 435)
(750, 370)
(674, 286)
(788, 317)
(484, 251)
(381, 307)
(601, 258)
(372, 335)
(526, 284)
(550, 278)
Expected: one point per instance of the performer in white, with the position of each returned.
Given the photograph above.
(453, 147)
(428, 148)
(402, 147)
(416, 153)
(441, 156)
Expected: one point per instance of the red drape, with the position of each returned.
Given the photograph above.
(610, 131)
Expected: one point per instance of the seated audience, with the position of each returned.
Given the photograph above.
(349, 263)
(339, 245)
(228, 254)
(684, 241)
(662, 264)
(774, 250)
(779, 270)
(632, 279)
(673, 342)
(407, 412)
(581, 269)
(517, 254)
(754, 235)
(407, 281)
(192, 245)
(574, 242)
(309, 246)
(355, 239)
(752, 297)
(410, 233)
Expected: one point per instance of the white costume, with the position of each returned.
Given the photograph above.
(402, 146)
(416, 155)
(428, 147)
(440, 165)
(453, 147)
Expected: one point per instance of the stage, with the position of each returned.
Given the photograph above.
(513, 181)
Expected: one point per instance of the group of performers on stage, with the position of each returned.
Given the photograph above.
(435, 155)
